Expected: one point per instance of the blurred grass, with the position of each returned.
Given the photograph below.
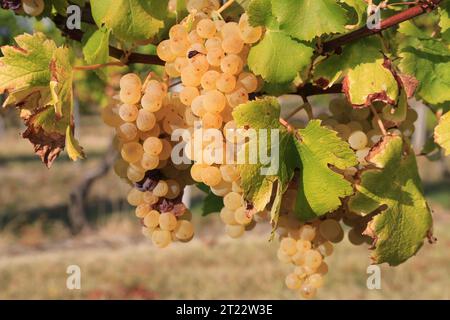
(36, 246)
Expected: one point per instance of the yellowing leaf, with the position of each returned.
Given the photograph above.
(320, 188)
(37, 76)
(442, 133)
(264, 114)
(394, 188)
(278, 58)
(370, 82)
(129, 20)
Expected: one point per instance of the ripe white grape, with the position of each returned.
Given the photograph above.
(161, 189)
(226, 83)
(234, 231)
(227, 216)
(231, 64)
(135, 197)
(142, 210)
(151, 219)
(215, 56)
(134, 174)
(130, 95)
(362, 154)
(212, 120)
(358, 140)
(146, 120)
(165, 52)
(149, 198)
(161, 238)
(326, 249)
(167, 221)
(206, 28)
(288, 246)
(307, 232)
(214, 101)
(132, 152)
(188, 94)
(209, 79)
(237, 97)
(229, 173)
(184, 230)
(312, 259)
(190, 77)
(233, 201)
(242, 216)
(130, 80)
(292, 281)
(33, 7)
(315, 280)
(174, 189)
(149, 162)
(248, 81)
(153, 146)
(211, 176)
(127, 131)
(199, 64)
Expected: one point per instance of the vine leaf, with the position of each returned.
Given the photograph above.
(320, 188)
(370, 82)
(258, 186)
(278, 58)
(211, 203)
(319, 147)
(37, 76)
(96, 48)
(129, 20)
(336, 66)
(299, 18)
(428, 61)
(442, 133)
(360, 8)
(394, 188)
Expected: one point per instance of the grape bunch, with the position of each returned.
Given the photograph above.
(210, 58)
(361, 129)
(30, 7)
(144, 119)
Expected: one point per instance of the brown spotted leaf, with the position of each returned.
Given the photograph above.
(392, 190)
(37, 77)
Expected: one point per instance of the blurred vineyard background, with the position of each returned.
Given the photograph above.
(76, 213)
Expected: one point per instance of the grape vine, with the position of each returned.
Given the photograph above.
(227, 68)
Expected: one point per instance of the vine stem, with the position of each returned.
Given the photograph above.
(225, 6)
(379, 121)
(98, 66)
(420, 8)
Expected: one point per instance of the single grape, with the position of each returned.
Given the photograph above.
(151, 219)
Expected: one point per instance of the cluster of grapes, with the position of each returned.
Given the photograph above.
(30, 7)
(361, 128)
(209, 56)
(144, 119)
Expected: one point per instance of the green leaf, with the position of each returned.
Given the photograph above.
(370, 82)
(211, 203)
(265, 114)
(260, 13)
(429, 62)
(394, 188)
(237, 8)
(37, 76)
(320, 188)
(360, 8)
(408, 28)
(129, 20)
(278, 58)
(442, 133)
(74, 150)
(307, 19)
(336, 66)
(96, 48)
(444, 14)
